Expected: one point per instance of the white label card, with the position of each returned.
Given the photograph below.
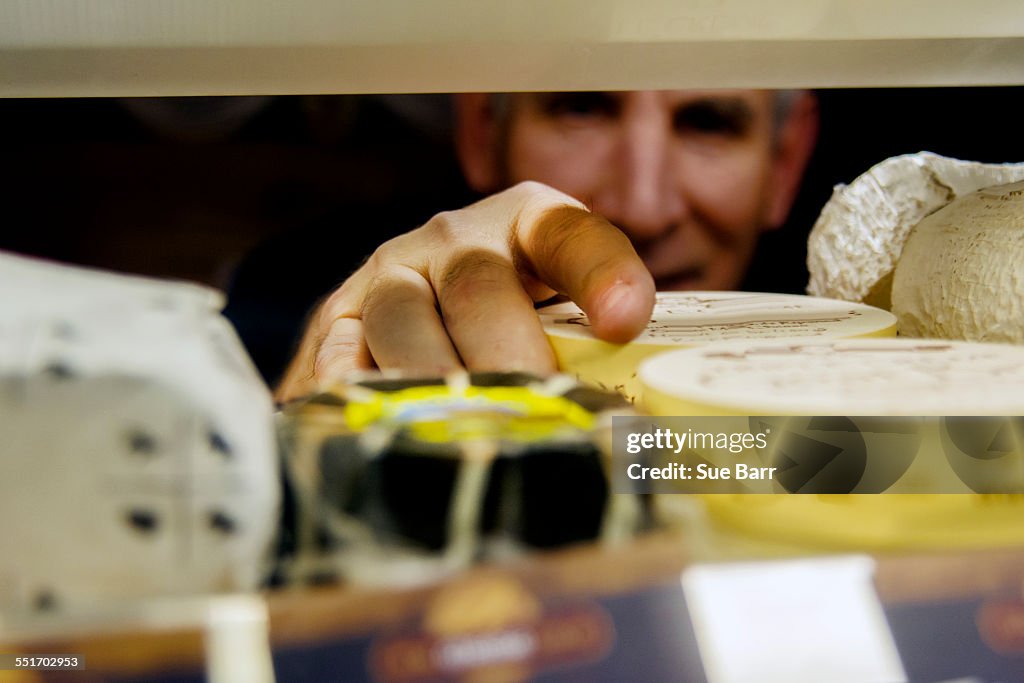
(791, 621)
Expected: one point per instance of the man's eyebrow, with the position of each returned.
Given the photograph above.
(736, 110)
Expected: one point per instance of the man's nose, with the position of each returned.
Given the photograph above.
(645, 198)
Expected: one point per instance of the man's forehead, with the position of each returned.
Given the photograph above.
(757, 101)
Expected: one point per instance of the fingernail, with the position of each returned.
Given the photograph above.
(612, 299)
(611, 319)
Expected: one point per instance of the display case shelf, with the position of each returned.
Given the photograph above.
(73, 48)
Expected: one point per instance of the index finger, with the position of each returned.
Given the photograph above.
(593, 262)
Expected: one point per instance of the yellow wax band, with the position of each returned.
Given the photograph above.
(851, 378)
(441, 414)
(398, 479)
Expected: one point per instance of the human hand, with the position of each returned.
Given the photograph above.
(460, 291)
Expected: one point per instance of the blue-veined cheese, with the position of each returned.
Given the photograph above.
(139, 456)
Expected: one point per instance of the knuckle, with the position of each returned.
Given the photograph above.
(395, 283)
(333, 354)
(530, 186)
(336, 305)
(376, 291)
(337, 351)
(444, 226)
(474, 272)
(404, 249)
(565, 231)
(387, 252)
(545, 195)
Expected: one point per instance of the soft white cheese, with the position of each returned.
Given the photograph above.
(961, 274)
(857, 240)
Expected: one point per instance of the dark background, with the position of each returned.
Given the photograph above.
(180, 188)
(862, 127)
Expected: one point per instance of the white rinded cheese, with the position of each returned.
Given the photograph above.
(686, 319)
(139, 456)
(857, 240)
(961, 275)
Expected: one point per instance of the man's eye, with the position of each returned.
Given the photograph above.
(581, 105)
(707, 117)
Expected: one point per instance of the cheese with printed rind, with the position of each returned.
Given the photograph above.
(961, 274)
(897, 376)
(900, 376)
(859, 236)
(687, 319)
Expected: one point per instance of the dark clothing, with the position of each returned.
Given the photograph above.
(279, 283)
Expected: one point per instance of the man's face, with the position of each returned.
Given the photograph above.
(685, 174)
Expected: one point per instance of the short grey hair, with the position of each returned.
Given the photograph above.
(784, 101)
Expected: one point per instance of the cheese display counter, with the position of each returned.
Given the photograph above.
(594, 613)
(670, 589)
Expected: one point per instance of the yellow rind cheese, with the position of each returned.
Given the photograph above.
(873, 377)
(689, 319)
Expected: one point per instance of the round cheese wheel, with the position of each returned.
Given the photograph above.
(961, 274)
(872, 377)
(896, 376)
(688, 319)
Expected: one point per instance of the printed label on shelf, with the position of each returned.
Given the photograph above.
(791, 621)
